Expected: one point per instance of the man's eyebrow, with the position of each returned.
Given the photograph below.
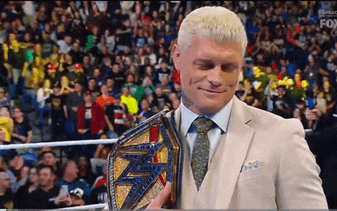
(202, 60)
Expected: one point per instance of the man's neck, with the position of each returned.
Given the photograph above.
(68, 179)
(88, 104)
(48, 187)
(105, 95)
(19, 119)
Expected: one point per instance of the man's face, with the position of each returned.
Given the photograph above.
(17, 113)
(104, 90)
(49, 159)
(92, 83)
(5, 182)
(78, 87)
(110, 82)
(72, 170)
(45, 177)
(209, 74)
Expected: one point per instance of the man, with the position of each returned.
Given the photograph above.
(253, 158)
(70, 178)
(6, 195)
(282, 103)
(23, 132)
(74, 101)
(90, 118)
(49, 158)
(135, 90)
(17, 171)
(58, 113)
(46, 196)
(130, 101)
(113, 115)
(112, 87)
(93, 88)
(104, 99)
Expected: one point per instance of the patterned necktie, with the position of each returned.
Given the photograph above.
(200, 152)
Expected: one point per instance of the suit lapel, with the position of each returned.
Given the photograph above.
(231, 153)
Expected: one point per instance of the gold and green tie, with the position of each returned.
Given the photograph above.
(200, 154)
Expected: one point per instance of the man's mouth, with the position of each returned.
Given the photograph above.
(213, 91)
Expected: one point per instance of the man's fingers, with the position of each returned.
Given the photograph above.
(160, 200)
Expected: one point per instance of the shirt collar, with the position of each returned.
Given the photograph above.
(220, 118)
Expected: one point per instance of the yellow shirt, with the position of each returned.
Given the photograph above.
(6, 124)
(132, 104)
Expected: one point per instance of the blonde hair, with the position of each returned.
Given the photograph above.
(217, 23)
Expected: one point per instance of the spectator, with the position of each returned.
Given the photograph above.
(58, 114)
(17, 171)
(283, 104)
(113, 115)
(6, 195)
(22, 196)
(163, 71)
(135, 90)
(49, 158)
(146, 112)
(23, 132)
(74, 101)
(148, 86)
(4, 101)
(166, 87)
(99, 190)
(70, 178)
(105, 98)
(46, 196)
(112, 86)
(65, 44)
(90, 117)
(118, 76)
(130, 101)
(161, 98)
(6, 124)
(93, 88)
(85, 171)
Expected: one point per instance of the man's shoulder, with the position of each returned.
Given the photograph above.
(267, 120)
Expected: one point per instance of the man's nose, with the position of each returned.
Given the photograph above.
(215, 76)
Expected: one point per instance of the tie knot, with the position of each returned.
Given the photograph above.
(203, 124)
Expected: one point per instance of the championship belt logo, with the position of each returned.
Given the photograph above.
(144, 159)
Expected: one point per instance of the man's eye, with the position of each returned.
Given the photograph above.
(229, 67)
(205, 66)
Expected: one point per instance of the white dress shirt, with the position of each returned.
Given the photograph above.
(220, 120)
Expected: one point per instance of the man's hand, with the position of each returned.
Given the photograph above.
(82, 131)
(314, 114)
(162, 198)
(74, 109)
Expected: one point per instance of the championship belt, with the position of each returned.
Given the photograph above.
(143, 160)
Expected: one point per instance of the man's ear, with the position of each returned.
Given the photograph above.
(176, 54)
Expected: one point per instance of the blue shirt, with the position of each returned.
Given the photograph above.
(220, 120)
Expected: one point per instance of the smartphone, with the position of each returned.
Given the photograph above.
(310, 99)
(311, 103)
(64, 190)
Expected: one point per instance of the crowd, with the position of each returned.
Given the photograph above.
(93, 69)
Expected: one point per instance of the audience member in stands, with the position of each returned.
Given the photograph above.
(85, 171)
(105, 98)
(17, 171)
(130, 101)
(6, 195)
(70, 178)
(6, 124)
(23, 132)
(74, 101)
(22, 196)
